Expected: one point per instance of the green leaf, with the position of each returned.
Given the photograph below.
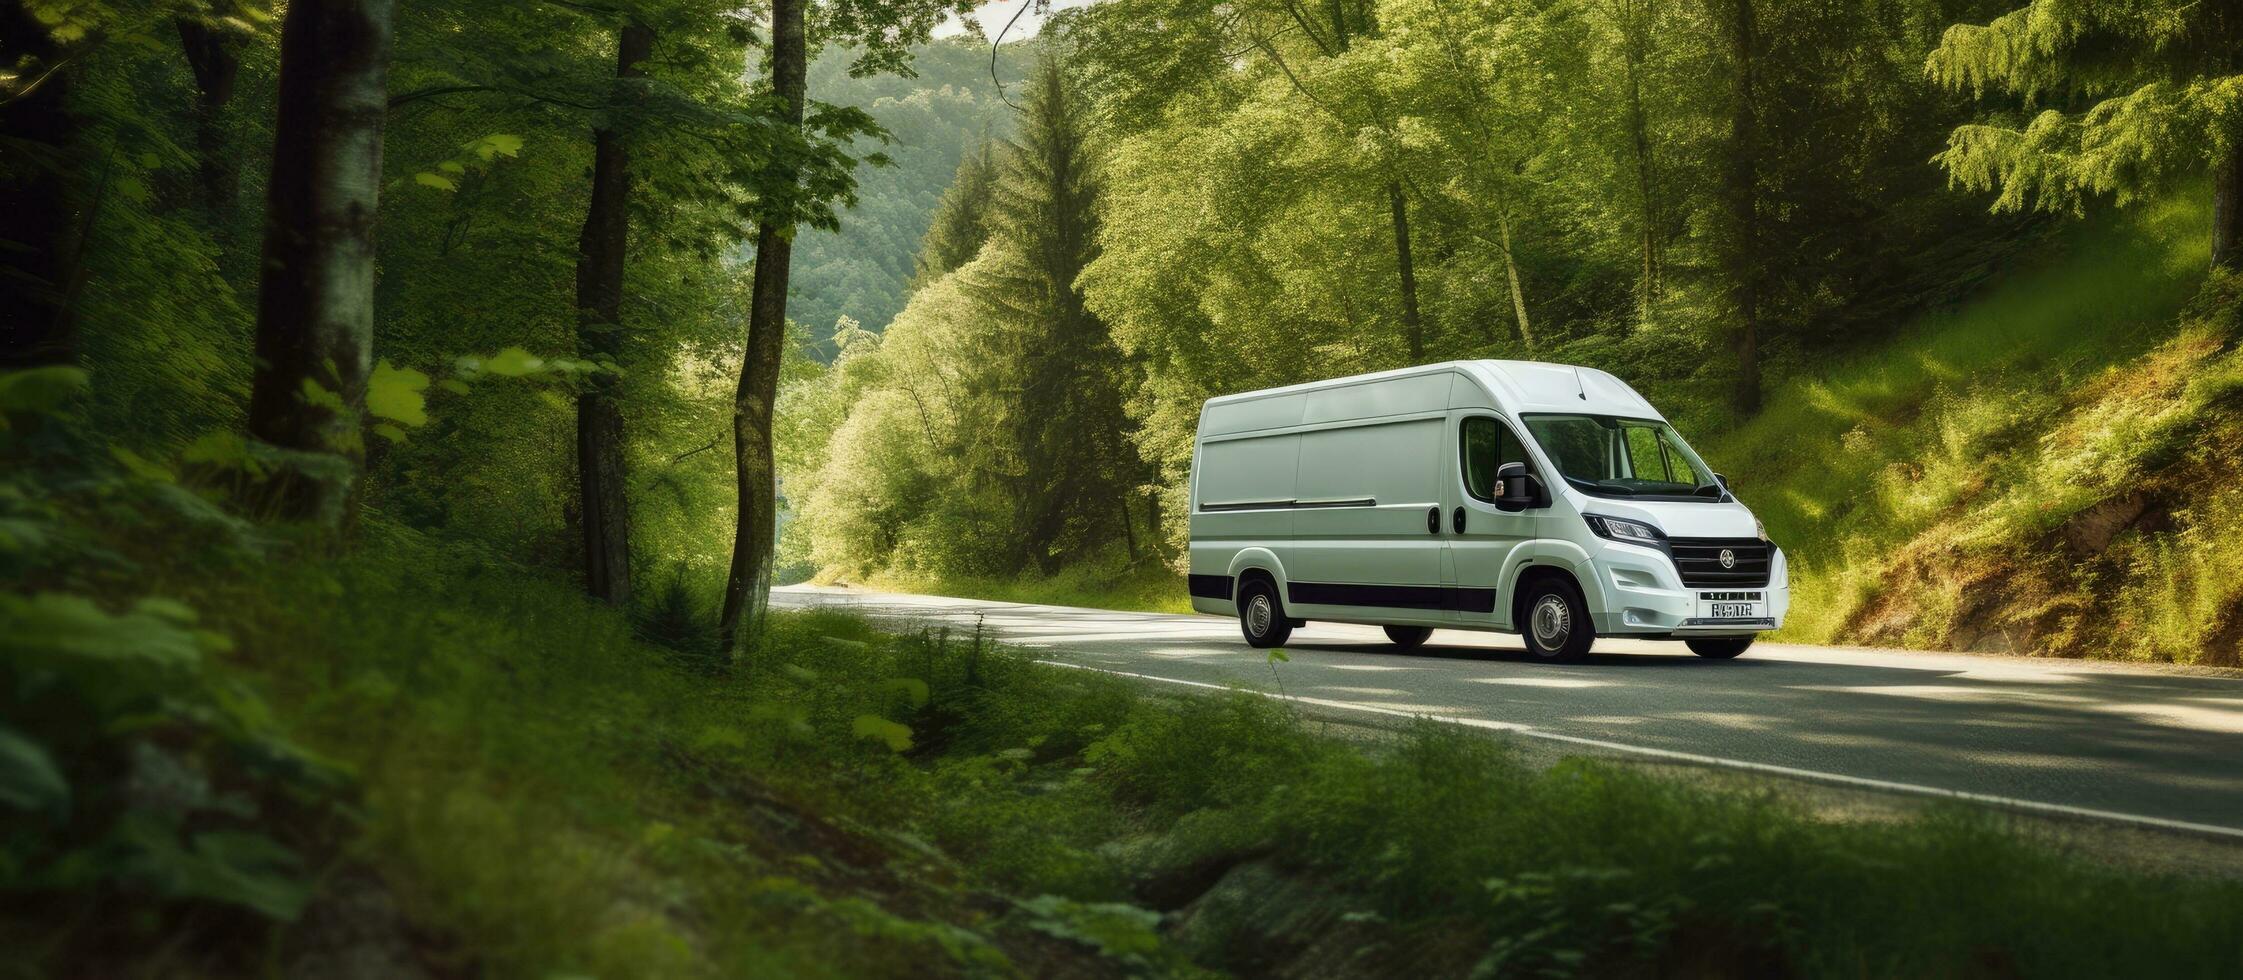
(437, 181)
(171, 609)
(895, 734)
(396, 394)
(390, 432)
(225, 449)
(39, 391)
(913, 689)
(452, 167)
(29, 779)
(455, 386)
(554, 399)
(497, 145)
(316, 394)
(143, 467)
(513, 362)
(1277, 656)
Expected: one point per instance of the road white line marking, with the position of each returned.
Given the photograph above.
(2031, 806)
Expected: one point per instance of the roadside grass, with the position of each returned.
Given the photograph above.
(541, 791)
(1911, 484)
(1144, 587)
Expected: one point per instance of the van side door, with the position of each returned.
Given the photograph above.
(1487, 545)
(1364, 548)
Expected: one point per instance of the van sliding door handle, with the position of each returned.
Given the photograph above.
(1458, 519)
(1433, 519)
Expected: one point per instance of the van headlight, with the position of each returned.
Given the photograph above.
(1622, 529)
(1759, 530)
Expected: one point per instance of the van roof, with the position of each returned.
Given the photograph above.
(1517, 386)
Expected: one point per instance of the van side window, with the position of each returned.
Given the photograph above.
(1487, 444)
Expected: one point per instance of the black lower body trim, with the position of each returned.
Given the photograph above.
(1209, 586)
(1442, 597)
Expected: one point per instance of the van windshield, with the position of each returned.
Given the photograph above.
(1622, 457)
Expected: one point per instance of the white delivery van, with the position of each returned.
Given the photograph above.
(1541, 499)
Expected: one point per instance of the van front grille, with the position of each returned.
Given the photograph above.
(1699, 561)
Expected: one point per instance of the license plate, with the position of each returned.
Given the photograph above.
(1732, 605)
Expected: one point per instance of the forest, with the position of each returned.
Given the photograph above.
(406, 411)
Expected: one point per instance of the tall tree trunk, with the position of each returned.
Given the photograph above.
(1413, 327)
(36, 323)
(1155, 538)
(746, 588)
(1511, 274)
(315, 307)
(211, 57)
(1634, 24)
(601, 476)
(1129, 528)
(1741, 187)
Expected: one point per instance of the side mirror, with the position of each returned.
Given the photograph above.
(1517, 489)
(1723, 480)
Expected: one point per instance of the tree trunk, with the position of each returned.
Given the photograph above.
(1129, 529)
(36, 324)
(2227, 210)
(746, 588)
(601, 475)
(1155, 537)
(1511, 274)
(1413, 328)
(1639, 138)
(211, 57)
(1741, 187)
(315, 304)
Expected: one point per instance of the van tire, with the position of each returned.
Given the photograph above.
(1408, 637)
(1555, 622)
(1259, 608)
(1719, 647)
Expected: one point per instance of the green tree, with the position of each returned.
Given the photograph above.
(601, 474)
(315, 309)
(1063, 455)
(2115, 97)
(961, 220)
(793, 194)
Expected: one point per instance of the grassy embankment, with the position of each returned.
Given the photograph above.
(2055, 467)
(423, 757)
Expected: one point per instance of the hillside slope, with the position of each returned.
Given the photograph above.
(2051, 468)
(949, 105)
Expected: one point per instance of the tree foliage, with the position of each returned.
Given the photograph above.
(2109, 99)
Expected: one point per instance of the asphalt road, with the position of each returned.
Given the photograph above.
(2161, 745)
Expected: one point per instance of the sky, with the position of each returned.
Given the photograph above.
(994, 14)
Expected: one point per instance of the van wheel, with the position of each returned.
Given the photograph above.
(1556, 622)
(1408, 637)
(1719, 648)
(1261, 616)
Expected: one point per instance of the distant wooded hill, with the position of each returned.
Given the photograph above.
(864, 271)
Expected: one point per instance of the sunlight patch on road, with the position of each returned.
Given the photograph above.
(1543, 681)
(1726, 719)
(1948, 692)
(2190, 716)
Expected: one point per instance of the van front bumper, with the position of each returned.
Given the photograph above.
(1641, 594)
